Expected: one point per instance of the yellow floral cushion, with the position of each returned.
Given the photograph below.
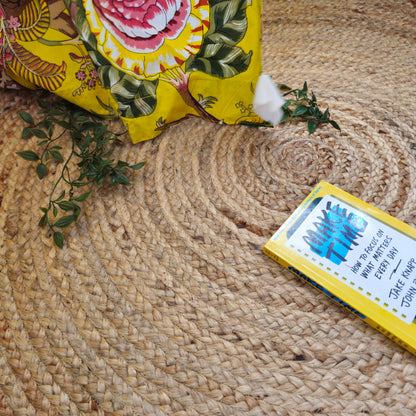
(40, 48)
(153, 62)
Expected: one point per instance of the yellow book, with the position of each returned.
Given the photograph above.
(356, 254)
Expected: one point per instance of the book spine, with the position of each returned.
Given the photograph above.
(366, 319)
(274, 256)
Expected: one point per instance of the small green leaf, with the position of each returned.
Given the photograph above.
(299, 110)
(27, 132)
(77, 211)
(55, 211)
(60, 197)
(122, 169)
(43, 209)
(108, 154)
(316, 112)
(26, 117)
(138, 166)
(75, 135)
(43, 221)
(100, 129)
(87, 126)
(41, 170)
(302, 95)
(39, 133)
(81, 118)
(66, 205)
(42, 104)
(28, 155)
(121, 179)
(58, 239)
(45, 124)
(56, 112)
(63, 124)
(312, 126)
(65, 221)
(285, 116)
(335, 124)
(83, 197)
(57, 155)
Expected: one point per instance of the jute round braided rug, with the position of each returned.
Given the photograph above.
(161, 302)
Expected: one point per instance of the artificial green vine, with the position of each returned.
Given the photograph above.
(300, 105)
(92, 146)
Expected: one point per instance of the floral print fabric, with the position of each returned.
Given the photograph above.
(40, 48)
(151, 62)
(147, 38)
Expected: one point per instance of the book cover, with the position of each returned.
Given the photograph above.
(355, 253)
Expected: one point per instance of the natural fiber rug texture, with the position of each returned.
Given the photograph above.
(161, 301)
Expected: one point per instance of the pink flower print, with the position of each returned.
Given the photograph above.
(91, 83)
(13, 22)
(81, 75)
(94, 74)
(143, 25)
(148, 37)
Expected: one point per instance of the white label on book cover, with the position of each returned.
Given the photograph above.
(370, 256)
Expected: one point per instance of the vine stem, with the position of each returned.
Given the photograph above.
(61, 177)
(50, 141)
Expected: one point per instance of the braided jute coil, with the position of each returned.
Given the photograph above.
(161, 301)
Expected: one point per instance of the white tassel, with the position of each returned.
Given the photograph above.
(268, 100)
